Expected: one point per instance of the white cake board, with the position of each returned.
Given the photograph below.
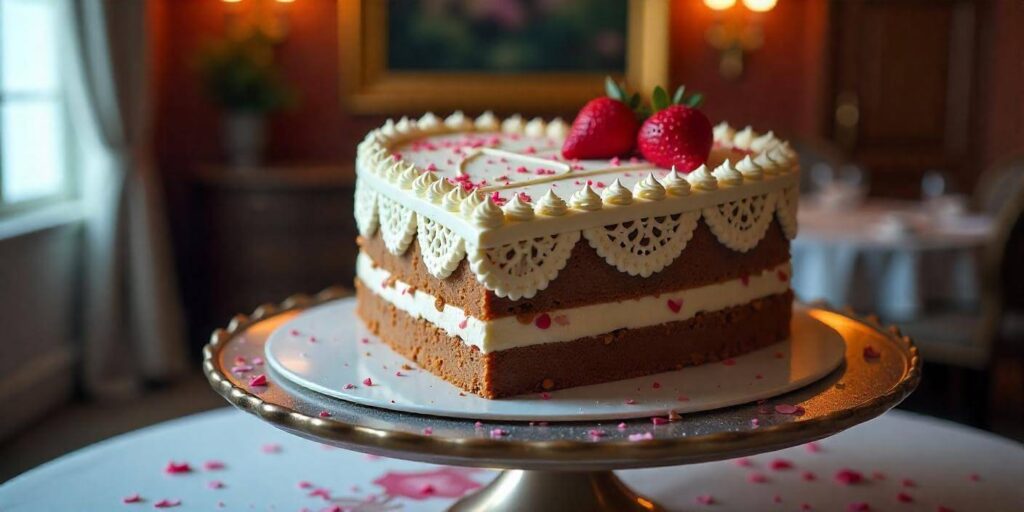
(327, 348)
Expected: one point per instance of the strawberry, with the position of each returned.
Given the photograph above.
(604, 128)
(677, 134)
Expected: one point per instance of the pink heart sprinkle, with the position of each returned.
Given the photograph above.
(806, 506)
(789, 409)
(757, 478)
(809, 476)
(258, 381)
(706, 499)
(781, 464)
(675, 306)
(478, 425)
(655, 384)
(906, 482)
(657, 420)
(215, 484)
(903, 497)
(428, 431)
(365, 341)
(399, 374)
(871, 353)
(622, 426)
(974, 477)
(646, 436)
(498, 433)
(304, 484)
(596, 433)
(177, 468)
(367, 381)
(213, 465)
(543, 321)
(630, 401)
(848, 476)
(165, 503)
(464, 323)
(743, 462)
(257, 361)
(777, 499)
(294, 332)
(320, 493)
(324, 414)
(349, 386)
(812, 447)
(271, 448)
(134, 498)
(755, 423)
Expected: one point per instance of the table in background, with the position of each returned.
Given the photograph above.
(266, 469)
(841, 256)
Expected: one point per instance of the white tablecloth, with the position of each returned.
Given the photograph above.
(908, 463)
(844, 257)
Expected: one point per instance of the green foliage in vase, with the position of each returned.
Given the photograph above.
(239, 72)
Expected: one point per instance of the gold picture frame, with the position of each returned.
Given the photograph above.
(368, 87)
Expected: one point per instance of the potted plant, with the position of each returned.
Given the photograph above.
(240, 74)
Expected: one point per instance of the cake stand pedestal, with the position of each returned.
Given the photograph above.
(568, 466)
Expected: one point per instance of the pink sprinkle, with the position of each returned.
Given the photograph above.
(215, 484)
(349, 386)
(177, 468)
(543, 321)
(399, 374)
(478, 425)
(657, 420)
(333, 508)
(781, 464)
(522, 169)
(806, 506)
(903, 497)
(428, 431)
(398, 156)
(646, 436)
(271, 448)
(858, 506)
(294, 332)
(324, 414)
(809, 476)
(257, 361)
(545, 396)
(258, 381)
(871, 353)
(777, 498)
(134, 498)
(320, 493)
(312, 339)
(367, 381)
(674, 305)
(848, 476)
(655, 384)
(595, 433)
(304, 484)
(974, 477)
(615, 161)
(706, 499)
(789, 409)
(758, 376)
(743, 462)
(365, 341)
(877, 475)
(431, 168)
(729, 362)
(630, 401)
(812, 447)
(241, 368)
(906, 482)
(165, 503)
(464, 323)
(757, 478)
(621, 426)
(213, 465)
(779, 355)
(427, 489)
(498, 433)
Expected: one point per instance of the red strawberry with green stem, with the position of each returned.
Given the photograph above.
(676, 134)
(605, 127)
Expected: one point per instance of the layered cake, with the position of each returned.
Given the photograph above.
(494, 261)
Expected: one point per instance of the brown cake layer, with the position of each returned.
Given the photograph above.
(587, 277)
(621, 354)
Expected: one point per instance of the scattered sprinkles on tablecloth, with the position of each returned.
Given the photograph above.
(498, 433)
(848, 476)
(903, 497)
(743, 462)
(349, 386)
(545, 395)
(812, 447)
(367, 381)
(213, 465)
(324, 414)
(808, 476)
(427, 431)
(258, 381)
(645, 436)
(729, 362)
(858, 506)
(705, 499)
(132, 498)
(271, 448)
(795, 410)
(757, 478)
(166, 503)
(215, 484)
(780, 464)
(177, 468)
(658, 420)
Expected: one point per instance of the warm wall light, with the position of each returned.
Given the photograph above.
(719, 5)
(264, 15)
(735, 34)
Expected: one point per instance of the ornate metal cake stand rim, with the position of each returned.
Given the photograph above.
(486, 452)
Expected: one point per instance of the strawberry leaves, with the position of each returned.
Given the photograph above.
(660, 100)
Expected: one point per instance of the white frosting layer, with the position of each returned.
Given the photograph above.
(572, 323)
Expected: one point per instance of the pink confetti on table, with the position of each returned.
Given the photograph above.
(903, 497)
(655, 385)
(367, 381)
(789, 409)
(399, 374)
(806, 506)
(596, 433)
(808, 476)
(213, 465)
(258, 381)
(365, 341)
(675, 305)
(304, 484)
(428, 431)
(294, 332)
(777, 499)
(320, 493)
(706, 499)
(812, 447)
(166, 503)
(682, 398)
(645, 436)
(177, 468)
(757, 478)
(743, 462)
(256, 361)
(478, 425)
(324, 414)
(621, 426)
(497, 432)
(464, 323)
(215, 484)
(781, 464)
(134, 498)
(848, 476)
(349, 386)
(974, 477)
(271, 448)
(858, 506)
(658, 420)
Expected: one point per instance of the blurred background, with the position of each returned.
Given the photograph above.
(166, 164)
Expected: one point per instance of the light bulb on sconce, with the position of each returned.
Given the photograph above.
(737, 33)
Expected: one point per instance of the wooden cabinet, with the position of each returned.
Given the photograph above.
(262, 234)
(902, 87)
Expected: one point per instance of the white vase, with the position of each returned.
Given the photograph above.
(245, 138)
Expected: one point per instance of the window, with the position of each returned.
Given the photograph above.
(33, 120)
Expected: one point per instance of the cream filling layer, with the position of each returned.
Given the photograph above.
(571, 323)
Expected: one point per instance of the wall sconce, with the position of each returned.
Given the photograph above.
(737, 33)
(267, 16)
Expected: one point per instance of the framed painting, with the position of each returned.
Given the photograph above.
(533, 55)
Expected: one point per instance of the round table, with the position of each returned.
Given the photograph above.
(846, 256)
(228, 460)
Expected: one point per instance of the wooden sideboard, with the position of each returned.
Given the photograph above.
(258, 235)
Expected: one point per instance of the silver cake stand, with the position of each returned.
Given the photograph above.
(561, 466)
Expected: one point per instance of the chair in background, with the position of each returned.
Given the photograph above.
(966, 344)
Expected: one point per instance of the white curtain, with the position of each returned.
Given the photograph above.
(132, 318)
